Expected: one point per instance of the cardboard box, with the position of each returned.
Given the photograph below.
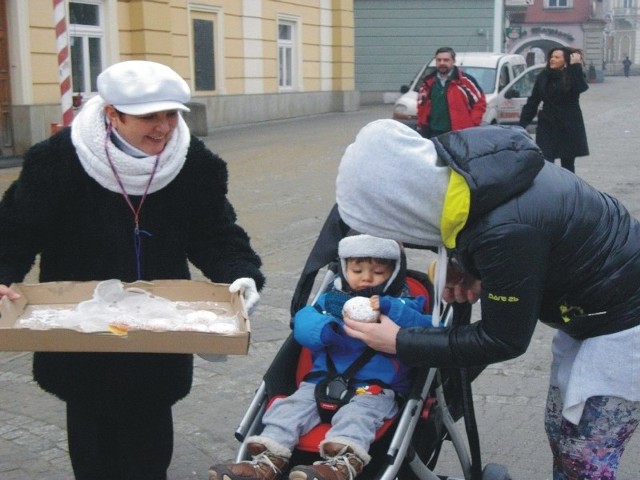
(67, 294)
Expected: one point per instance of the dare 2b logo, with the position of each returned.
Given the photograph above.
(503, 298)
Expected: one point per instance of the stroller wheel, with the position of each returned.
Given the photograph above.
(493, 471)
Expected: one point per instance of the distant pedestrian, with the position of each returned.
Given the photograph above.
(449, 99)
(560, 131)
(626, 66)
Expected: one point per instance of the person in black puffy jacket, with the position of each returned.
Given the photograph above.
(126, 193)
(532, 242)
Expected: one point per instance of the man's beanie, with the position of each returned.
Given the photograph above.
(390, 184)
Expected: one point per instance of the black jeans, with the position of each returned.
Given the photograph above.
(109, 443)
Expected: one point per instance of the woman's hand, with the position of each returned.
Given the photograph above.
(575, 57)
(7, 292)
(247, 288)
(461, 287)
(379, 336)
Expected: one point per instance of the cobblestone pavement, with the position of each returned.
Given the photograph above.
(282, 178)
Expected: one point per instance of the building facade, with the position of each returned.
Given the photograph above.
(245, 60)
(532, 27)
(622, 22)
(393, 39)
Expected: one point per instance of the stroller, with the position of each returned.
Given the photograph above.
(406, 448)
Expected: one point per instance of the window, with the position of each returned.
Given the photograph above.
(628, 3)
(524, 86)
(203, 49)
(504, 78)
(286, 55)
(486, 77)
(518, 68)
(558, 3)
(206, 40)
(86, 41)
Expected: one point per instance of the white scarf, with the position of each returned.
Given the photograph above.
(88, 132)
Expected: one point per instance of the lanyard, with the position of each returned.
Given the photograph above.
(137, 239)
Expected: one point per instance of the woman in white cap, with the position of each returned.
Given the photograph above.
(531, 241)
(125, 193)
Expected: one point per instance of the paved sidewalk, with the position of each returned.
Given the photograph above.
(282, 177)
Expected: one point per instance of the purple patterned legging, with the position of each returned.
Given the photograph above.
(592, 449)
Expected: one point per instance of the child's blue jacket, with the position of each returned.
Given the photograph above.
(320, 329)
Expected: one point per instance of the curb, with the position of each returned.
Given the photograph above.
(10, 162)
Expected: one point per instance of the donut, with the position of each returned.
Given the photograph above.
(118, 329)
(359, 309)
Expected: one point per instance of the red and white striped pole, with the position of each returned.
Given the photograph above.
(64, 62)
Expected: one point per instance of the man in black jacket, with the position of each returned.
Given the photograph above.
(531, 241)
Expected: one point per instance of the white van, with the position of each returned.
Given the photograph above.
(492, 71)
(513, 97)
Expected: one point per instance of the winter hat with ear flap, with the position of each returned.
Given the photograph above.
(390, 184)
(367, 246)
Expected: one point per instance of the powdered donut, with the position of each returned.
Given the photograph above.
(359, 309)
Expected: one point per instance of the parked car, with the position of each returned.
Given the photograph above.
(511, 99)
(492, 71)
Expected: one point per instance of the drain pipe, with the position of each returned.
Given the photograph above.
(498, 25)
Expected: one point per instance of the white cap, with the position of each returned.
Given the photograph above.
(139, 87)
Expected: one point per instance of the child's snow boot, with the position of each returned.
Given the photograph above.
(340, 464)
(265, 465)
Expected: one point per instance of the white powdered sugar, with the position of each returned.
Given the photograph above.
(117, 309)
(359, 309)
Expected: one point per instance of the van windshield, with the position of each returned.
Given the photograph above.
(486, 77)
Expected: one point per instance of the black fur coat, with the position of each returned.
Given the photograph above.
(83, 232)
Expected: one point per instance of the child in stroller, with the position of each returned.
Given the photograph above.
(367, 382)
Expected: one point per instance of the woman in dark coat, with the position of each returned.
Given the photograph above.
(126, 193)
(560, 132)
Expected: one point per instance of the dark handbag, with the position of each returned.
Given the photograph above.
(332, 392)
